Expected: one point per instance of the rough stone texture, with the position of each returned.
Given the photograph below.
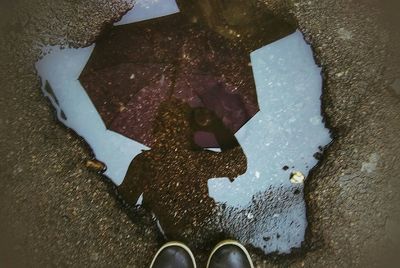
(56, 213)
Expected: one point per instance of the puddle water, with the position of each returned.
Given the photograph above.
(218, 106)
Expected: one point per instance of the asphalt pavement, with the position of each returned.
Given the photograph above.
(55, 212)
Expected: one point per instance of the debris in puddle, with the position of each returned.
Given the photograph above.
(285, 168)
(96, 165)
(318, 156)
(297, 177)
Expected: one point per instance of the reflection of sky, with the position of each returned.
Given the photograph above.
(288, 128)
(147, 9)
(286, 132)
(61, 68)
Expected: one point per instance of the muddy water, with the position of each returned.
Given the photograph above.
(241, 57)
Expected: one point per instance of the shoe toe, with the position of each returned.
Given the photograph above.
(173, 257)
(230, 256)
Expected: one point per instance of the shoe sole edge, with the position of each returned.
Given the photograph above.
(176, 244)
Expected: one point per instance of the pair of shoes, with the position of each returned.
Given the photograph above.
(227, 254)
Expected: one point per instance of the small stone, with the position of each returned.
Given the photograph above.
(339, 74)
(297, 177)
(96, 165)
(344, 34)
(266, 238)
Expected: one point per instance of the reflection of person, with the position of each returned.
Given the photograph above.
(173, 175)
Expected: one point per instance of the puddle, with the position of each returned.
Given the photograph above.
(174, 83)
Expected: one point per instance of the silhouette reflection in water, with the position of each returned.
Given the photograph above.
(173, 175)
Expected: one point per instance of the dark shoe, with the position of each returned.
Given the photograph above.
(229, 254)
(173, 255)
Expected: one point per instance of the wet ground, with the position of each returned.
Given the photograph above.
(189, 56)
(55, 212)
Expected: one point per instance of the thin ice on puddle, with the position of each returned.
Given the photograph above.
(286, 132)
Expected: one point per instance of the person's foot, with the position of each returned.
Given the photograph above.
(173, 255)
(230, 254)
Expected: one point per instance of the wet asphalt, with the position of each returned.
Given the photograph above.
(55, 212)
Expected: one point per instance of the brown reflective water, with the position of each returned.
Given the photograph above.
(148, 79)
(200, 56)
(179, 84)
(173, 176)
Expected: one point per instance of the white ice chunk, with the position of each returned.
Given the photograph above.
(148, 9)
